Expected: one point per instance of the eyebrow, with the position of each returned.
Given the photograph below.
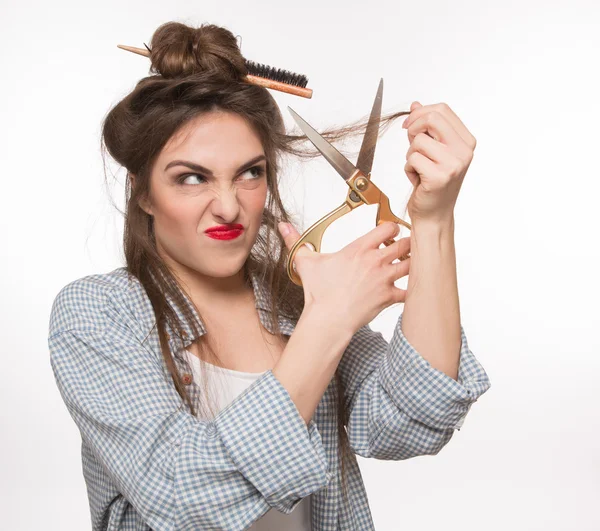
(206, 171)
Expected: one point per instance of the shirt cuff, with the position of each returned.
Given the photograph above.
(270, 443)
(426, 393)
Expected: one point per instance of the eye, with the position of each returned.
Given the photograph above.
(257, 172)
(182, 178)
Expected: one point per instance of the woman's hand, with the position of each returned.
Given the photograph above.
(440, 152)
(355, 284)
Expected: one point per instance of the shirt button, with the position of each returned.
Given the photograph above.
(183, 333)
(187, 378)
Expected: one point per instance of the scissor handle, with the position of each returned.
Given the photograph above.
(362, 191)
(313, 236)
(370, 194)
(384, 213)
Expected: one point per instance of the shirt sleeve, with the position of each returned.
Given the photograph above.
(399, 405)
(177, 471)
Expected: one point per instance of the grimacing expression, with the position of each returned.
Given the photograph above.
(228, 184)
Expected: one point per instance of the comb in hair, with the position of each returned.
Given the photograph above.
(259, 74)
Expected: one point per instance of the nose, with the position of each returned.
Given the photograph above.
(225, 205)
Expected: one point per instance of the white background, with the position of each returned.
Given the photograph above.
(522, 76)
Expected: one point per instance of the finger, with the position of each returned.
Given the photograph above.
(416, 111)
(445, 110)
(419, 165)
(290, 237)
(396, 250)
(398, 295)
(437, 127)
(400, 269)
(431, 148)
(374, 238)
(457, 124)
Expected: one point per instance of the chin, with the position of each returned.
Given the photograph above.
(223, 268)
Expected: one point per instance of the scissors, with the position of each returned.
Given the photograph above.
(358, 178)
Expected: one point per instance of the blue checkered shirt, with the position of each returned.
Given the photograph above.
(149, 464)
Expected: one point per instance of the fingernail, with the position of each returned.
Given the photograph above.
(284, 228)
(404, 123)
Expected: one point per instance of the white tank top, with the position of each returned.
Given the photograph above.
(226, 384)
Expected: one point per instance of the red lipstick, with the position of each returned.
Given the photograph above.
(225, 232)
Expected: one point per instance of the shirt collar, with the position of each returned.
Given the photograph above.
(262, 303)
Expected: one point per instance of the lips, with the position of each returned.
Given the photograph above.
(225, 232)
(225, 228)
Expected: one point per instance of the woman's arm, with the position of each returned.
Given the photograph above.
(177, 471)
(310, 358)
(431, 321)
(406, 397)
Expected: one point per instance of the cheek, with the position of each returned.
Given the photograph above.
(179, 216)
(255, 207)
(256, 199)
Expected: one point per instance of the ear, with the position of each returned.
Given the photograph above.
(144, 206)
(142, 202)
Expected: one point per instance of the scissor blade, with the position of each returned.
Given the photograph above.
(342, 165)
(367, 149)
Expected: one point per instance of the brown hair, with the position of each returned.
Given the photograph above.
(198, 70)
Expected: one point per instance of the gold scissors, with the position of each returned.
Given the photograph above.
(358, 178)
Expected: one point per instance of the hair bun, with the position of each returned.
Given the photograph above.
(179, 50)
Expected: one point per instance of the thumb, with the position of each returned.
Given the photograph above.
(289, 233)
(291, 236)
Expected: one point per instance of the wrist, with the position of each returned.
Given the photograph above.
(330, 320)
(428, 228)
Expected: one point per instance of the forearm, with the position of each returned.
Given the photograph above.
(431, 316)
(310, 359)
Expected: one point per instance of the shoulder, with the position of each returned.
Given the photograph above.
(90, 302)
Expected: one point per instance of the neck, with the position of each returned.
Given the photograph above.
(212, 293)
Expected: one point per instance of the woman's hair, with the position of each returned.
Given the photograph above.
(196, 71)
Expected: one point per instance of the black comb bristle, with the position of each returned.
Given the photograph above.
(276, 74)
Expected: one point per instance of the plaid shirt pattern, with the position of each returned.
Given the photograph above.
(149, 464)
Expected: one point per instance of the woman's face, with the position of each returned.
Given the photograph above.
(212, 172)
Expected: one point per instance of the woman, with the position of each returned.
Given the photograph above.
(298, 384)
